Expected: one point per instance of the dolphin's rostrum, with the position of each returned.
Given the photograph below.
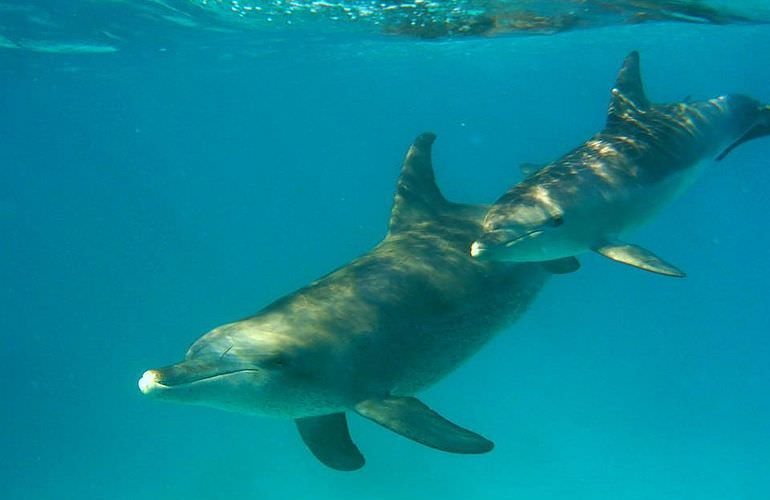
(617, 180)
(370, 335)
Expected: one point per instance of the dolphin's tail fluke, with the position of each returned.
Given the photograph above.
(761, 129)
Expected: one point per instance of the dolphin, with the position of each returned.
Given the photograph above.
(618, 180)
(369, 336)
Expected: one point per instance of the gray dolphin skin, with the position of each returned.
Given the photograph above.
(370, 335)
(616, 181)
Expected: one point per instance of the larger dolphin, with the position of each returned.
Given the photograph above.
(619, 179)
(367, 337)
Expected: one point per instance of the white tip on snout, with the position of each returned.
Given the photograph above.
(148, 381)
(476, 249)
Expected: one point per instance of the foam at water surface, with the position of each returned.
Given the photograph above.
(459, 18)
(93, 26)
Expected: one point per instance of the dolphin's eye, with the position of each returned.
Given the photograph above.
(556, 221)
(275, 362)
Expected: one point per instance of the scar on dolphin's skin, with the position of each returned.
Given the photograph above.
(369, 336)
(225, 352)
(617, 180)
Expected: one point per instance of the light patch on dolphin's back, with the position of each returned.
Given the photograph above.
(542, 195)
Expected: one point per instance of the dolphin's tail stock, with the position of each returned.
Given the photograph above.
(761, 129)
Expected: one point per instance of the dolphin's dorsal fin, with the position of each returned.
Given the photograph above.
(628, 93)
(417, 198)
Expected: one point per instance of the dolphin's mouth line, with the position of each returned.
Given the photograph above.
(482, 249)
(528, 234)
(207, 377)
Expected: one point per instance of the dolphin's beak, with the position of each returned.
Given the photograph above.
(488, 244)
(491, 242)
(478, 249)
(149, 381)
(178, 378)
(494, 245)
(158, 380)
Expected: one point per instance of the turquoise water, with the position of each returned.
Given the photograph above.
(190, 176)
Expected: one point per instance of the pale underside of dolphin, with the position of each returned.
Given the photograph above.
(618, 180)
(370, 335)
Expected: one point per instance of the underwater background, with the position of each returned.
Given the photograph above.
(164, 174)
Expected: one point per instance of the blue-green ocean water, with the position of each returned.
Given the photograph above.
(151, 193)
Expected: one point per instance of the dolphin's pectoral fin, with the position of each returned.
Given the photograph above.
(329, 440)
(561, 266)
(637, 256)
(411, 418)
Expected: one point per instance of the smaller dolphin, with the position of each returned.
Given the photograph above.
(618, 180)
